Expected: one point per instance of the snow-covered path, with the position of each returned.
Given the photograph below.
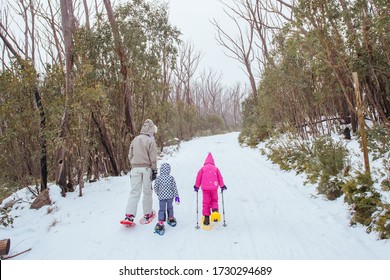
(269, 213)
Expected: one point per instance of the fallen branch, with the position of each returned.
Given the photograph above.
(10, 257)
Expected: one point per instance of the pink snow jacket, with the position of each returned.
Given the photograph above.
(209, 177)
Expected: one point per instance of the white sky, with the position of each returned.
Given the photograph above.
(193, 18)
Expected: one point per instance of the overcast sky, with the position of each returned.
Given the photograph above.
(193, 18)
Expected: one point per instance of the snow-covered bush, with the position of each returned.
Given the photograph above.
(323, 162)
(364, 200)
(6, 219)
(329, 156)
(383, 222)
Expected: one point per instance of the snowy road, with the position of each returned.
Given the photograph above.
(270, 214)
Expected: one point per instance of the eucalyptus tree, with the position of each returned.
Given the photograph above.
(313, 57)
(352, 36)
(131, 57)
(23, 77)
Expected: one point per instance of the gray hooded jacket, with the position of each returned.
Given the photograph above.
(143, 148)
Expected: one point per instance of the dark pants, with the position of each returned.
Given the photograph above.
(165, 205)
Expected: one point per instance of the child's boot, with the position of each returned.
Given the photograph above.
(159, 228)
(206, 223)
(215, 216)
(172, 222)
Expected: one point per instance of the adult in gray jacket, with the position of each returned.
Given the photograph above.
(143, 161)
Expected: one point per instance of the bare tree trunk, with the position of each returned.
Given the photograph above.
(106, 142)
(32, 32)
(55, 35)
(81, 159)
(124, 69)
(61, 155)
(86, 10)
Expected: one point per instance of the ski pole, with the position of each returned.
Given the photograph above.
(223, 210)
(197, 225)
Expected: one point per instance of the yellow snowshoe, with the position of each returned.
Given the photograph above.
(215, 216)
(207, 226)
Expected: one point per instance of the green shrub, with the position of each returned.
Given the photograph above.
(256, 126)
(323, 162)
(331, 165)
(378, 141)
(383, 222)
(212, 123)
(385, 185)
(291, 155)
(330, 187)
(364, 200)
(330, 155)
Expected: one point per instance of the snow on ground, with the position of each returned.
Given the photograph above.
(270, 215)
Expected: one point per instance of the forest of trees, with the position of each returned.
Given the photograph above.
(78, 78)
(305, 54)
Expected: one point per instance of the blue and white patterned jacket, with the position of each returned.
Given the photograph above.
(165, 185)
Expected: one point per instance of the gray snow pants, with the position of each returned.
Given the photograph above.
(141, 182)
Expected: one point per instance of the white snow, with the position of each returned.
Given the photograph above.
(270, 215)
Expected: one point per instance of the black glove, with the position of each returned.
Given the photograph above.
(154, 175)
(224, 188)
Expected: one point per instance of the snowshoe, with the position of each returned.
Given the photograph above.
(172, 222)
(206, 223)
(128, 221)
(215, 216)
(148, 218)
(206, 227)
(159, 229)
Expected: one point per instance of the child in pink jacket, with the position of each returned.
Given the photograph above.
(209, 178)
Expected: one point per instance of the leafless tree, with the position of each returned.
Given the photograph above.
(232, 103)
(68, 28)
(255, 22)
(239, 47)
(212, 97)
(184, 72)
(211, 92)
(52, 33)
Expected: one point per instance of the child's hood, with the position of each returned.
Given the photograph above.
(165, 169)
(209, 159)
